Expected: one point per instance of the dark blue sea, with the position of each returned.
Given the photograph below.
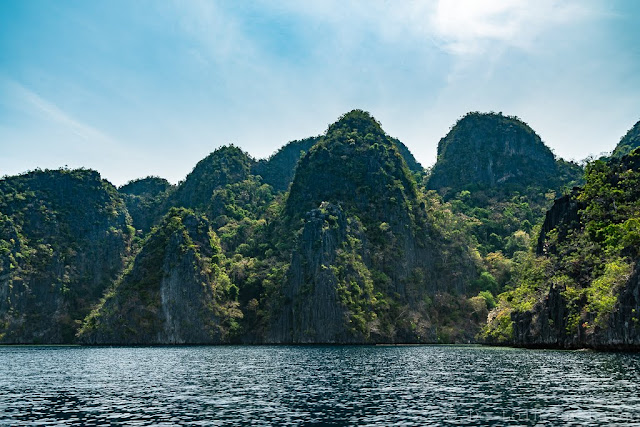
(332, 385)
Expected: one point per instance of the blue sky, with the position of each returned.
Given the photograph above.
(137, 88)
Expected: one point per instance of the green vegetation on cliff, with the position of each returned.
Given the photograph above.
(340, 238)
(175, 291)
(577, 286)
(369, 253)
(629, 142)
(355, 163)
(495, 171)
(64, 237)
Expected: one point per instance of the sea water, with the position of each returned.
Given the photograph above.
(322, 385)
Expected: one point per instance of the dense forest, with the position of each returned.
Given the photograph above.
(338, 238)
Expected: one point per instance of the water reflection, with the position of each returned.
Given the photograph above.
(324, 385)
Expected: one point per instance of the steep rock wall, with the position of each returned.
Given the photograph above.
(64, 236)
(367, 260)
(174, 293)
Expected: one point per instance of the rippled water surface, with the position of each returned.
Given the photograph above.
(413, 385)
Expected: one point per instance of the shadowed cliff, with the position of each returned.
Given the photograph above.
(175, 291)
(64, 237)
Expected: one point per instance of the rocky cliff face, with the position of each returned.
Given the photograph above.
(563, 217)
(278, 170)
(549, 324)
(623, 327)
(174, 293)
(316, 314)
(367, 255)
(582, 288)
(64, 236)
(545, 326)
(490, 151)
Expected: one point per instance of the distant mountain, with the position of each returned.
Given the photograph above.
(629, 142)
(367, 255)
(496, 152)
(146, 200)
(174, 293)
(278, 170)
(64, 238)
(226, 165)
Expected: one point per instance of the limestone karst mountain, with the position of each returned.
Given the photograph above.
(581, 286)
(64, 238)
(175, 291)
(369, 256)
(333, 239)
(497, 171)
(491, 151)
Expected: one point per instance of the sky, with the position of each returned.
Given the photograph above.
(147, 87)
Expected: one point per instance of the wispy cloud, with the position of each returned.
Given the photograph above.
(214, 33)
(459, 27)
(157, 85)
(469, 26)
(37, 105)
